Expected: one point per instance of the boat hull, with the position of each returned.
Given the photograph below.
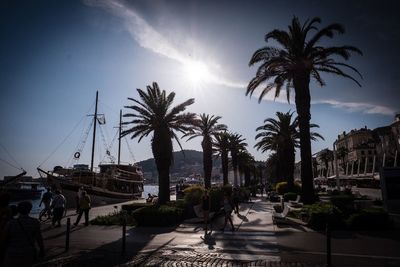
(96, 200)
(98, 196)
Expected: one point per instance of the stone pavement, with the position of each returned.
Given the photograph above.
(257, 242)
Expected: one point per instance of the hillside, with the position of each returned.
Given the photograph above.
(185, 163)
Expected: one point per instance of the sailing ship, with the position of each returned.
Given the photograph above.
(114, 183)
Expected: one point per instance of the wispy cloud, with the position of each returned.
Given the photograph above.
(149, 38)
(366, 108)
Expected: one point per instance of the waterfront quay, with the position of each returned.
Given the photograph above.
(257, 241)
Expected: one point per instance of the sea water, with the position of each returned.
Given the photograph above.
(152, 189)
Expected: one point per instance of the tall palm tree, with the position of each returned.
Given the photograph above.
(291, 66)
(342, 153)
(206, 126)
(326, 156)
(282, 136)
(221, 147)
(236, 144)
(155, 114)
(245, 165)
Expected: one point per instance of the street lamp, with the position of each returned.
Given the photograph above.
(336, 165)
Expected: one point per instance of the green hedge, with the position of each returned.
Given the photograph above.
(282, 188)
(115, 218)
(134, 206)
(158, 215)
(320, 213)
(344, 202)
(369, 219)
(193, 195)
(289, 196)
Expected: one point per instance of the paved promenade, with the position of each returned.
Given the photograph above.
(256, 242)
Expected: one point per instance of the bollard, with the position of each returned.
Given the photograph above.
(123, 235)
(328, 246)
(67, 234)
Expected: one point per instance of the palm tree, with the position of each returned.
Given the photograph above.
(154, 114)
(326, 156)
(236, 144)
(282, 136)
(206, 126)
(221, 147)
(299, 59)
(245, 163)
(342, 154)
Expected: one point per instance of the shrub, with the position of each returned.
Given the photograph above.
(244, 194)
(343, 202)
(158, 215)
(115, 218)
(282, 188)
(320, 213)
(134, 206)
(193, 195)
(369, 219)
(289, 196)
(216, 197)
(377, 202)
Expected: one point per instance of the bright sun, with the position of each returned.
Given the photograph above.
(196, 72)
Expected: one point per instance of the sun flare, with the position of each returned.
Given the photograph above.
(196, 72)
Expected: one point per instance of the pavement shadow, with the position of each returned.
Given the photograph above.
(242, 217)
(111, 253)
(209, 240)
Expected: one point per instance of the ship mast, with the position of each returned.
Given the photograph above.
(119, 137)
(94, 131)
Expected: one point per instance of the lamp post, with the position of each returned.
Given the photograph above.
(336, 166)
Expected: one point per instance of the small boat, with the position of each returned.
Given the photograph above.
(113, 183)
(24, 191)
(21, 190)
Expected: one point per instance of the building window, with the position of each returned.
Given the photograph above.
(369, 152)
(362, 152)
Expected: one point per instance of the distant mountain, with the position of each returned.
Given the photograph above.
(185, 163)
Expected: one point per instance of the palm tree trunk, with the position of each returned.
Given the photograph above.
(162, 151)
(290, 167)
(301, 84)
(207, 162)
(163, 185)
(224, 162)
(235, 168)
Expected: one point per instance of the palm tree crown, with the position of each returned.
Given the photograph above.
(275, 134)
(299, 54)
(154, 114)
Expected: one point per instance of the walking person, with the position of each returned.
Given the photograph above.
(46, 200)
(84, 207)
(78, 197)
(206, 205)
(22, 236)
(228, 207)
(5, 217)
(262, 189)
(236, 200)
(58, 206)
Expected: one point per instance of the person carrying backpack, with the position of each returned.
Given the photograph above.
(84, 207)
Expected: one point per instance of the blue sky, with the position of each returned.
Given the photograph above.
(54, 55)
